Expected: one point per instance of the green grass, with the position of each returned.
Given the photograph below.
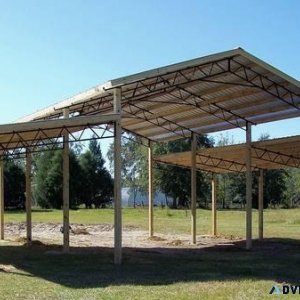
(215, 273)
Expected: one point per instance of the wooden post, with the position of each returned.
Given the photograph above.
(117, 180)
(28, 197)
(193, 187)
(66, 189)
(248, 189)
(2, 199)
(214, 204)
(150, 190)
(261, 205)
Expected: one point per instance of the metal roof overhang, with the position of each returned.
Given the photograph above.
(269, 154)
(208, 94)
(29, 134)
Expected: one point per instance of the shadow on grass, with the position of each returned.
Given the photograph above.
(273, 259)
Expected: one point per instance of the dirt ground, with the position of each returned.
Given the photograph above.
(102, 235)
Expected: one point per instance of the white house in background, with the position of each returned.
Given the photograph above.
(160, 199)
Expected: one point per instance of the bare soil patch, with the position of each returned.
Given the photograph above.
(102, 235)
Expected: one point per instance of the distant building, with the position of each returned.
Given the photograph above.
(160, 199)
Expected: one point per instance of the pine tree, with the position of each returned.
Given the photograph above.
(98, 184)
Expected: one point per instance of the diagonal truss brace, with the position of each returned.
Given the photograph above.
(162, 122)
(43, 141)
(266, 84)
(275, 157)
(180, 83)
(221, 163)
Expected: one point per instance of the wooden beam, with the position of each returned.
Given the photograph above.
(261, 205)
(28, 198)
(150, 190)
(214, 204)
(2, 199)
(66, 189)
(248, 189)
(193, 187)
(117, 180)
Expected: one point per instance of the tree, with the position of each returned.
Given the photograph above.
(98, 184)
(292, 192)
(14, 184)
(274, 187)
(48, 179)
(134, 164)
(229, 185)
(176, 181)
(274, 184)
(235, 188)
(171, 180)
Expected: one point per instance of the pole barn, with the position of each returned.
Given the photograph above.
(231, 89)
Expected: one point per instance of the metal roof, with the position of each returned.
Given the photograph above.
(269, 154)
(208, 94)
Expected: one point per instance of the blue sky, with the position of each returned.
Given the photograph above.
(53, 49)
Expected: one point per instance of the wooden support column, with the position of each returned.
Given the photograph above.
(193, 187)
(2, 199)
(248, 189)
(28, 197)
(66, 189)
(261, 205)
(150, 190)
(117, 180)
(214, 204)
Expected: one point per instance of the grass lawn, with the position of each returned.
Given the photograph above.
(225, 272)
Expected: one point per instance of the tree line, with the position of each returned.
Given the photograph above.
(91, 184)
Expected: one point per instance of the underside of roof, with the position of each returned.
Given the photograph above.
(270, 154)
(40, 135)
(208, 94)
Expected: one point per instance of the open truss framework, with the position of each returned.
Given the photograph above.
(42, 142)
(231, 89)
(269, 154)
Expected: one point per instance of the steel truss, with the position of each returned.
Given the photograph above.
(169, 83)
(176, 84)
(223, 164)
(162, 122)
(264, 83)
(261, 154)
(50, 143)
(42, 141)
(275, 157)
